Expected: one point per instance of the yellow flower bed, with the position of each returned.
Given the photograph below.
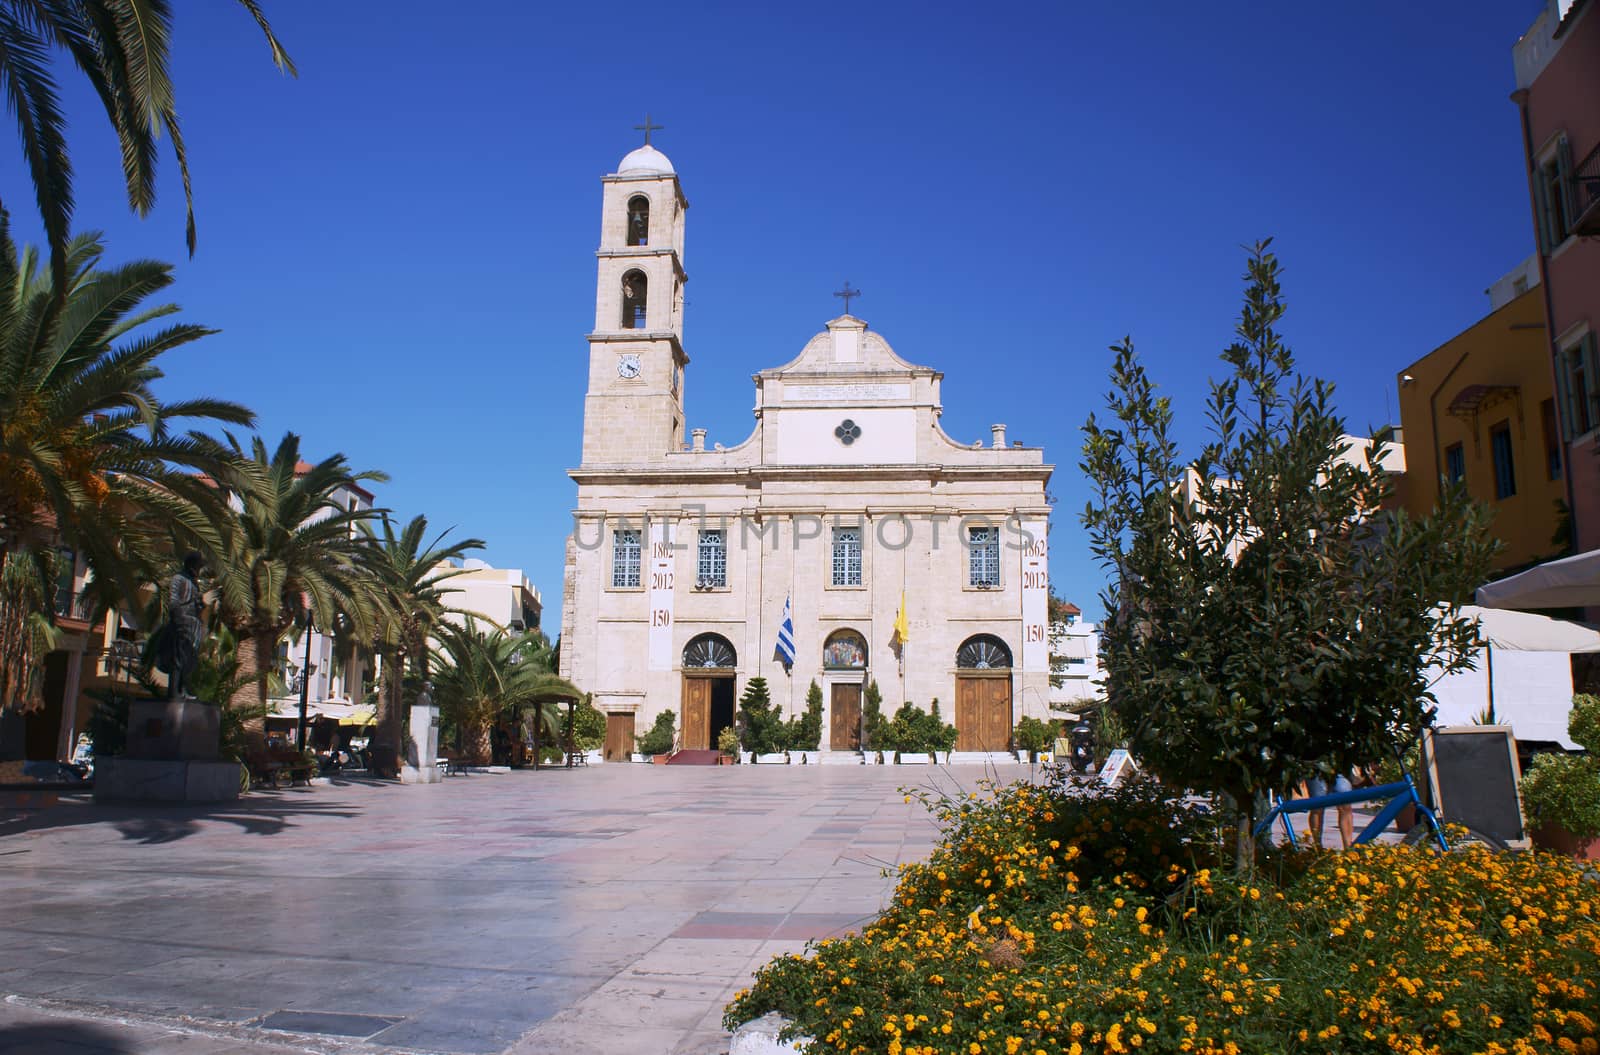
(1049, 923)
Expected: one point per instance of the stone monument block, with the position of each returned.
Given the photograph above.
(173, 730)
(171, 756)
(422, 746)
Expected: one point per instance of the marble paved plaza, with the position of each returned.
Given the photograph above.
(612, 909)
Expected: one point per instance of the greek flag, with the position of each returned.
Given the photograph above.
(785, 649)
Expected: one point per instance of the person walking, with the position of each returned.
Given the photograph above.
(1345, 813)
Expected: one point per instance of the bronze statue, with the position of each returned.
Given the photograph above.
(181, 639)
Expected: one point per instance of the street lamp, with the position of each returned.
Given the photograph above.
(305, 689)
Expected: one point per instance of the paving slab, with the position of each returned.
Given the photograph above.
(612, 909)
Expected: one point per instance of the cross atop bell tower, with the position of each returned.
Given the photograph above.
(647, 128)
(634, 410)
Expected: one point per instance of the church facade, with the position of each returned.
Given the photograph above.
(847, 506)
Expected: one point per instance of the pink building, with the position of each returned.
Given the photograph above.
(1558, 91)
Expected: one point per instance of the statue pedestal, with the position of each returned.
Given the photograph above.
(422, 747)
(173, 730)
(171, 756)
(164, 780)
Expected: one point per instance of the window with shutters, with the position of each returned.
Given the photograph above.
(1505, 470)
(1455, 464)
(983, 557)
(1552, 439)
(625, 558)
(1578, 382)
(711, 566)
(847, 556)
(1552, 190)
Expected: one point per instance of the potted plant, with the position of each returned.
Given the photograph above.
(658, 741)
(589, 732)
(805, 732)
(728, 744)
(905, 734)
(761, 727)
(1561, 793)
(1031, 736)
(875, 725)
(938, 737)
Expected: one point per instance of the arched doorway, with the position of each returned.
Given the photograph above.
(844, 655)
(708, 690)
(983, 694)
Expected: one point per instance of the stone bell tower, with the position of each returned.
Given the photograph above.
(634, 409)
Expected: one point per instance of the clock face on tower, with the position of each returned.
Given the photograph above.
(628, 366)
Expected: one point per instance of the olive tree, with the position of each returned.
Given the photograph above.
(1268, 615)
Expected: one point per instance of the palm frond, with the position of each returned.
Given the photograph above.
(30, 90)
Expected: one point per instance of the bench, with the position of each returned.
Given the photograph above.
(269, 766)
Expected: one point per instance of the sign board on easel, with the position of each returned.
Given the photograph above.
(1118, 765)
(1474, 779)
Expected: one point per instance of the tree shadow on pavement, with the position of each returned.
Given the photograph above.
(63, 1038)
(153, 822)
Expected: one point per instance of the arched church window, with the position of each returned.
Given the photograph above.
(635, 293)
(709, 651)
(844, 650)
(983, 652)
(639, 220)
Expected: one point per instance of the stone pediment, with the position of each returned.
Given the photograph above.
(846, 353)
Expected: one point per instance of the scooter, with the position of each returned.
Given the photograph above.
(1082, 747)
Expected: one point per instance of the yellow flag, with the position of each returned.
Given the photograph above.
(902, 628)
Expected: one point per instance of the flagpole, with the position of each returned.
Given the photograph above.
(907, 619)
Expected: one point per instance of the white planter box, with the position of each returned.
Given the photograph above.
(746, 758)
(914, 758)
(595, 757)
(777, 758)
(804, 758)
(637, 757)
(1022, 756)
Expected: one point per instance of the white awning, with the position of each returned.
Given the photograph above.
(1571, 582)
(1526, 632)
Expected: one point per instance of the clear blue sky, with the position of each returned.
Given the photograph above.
(398, 246)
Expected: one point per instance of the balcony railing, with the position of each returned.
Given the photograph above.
(1586, 195)
(70, 605)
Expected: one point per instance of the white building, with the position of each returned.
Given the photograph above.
(846, 497)
(1076, 676)
(502, 596)
(340, 674)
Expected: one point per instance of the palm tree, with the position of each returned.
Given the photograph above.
(84, 440)
(482, 673)
(124, 49)
(412, 574)
(279, 545)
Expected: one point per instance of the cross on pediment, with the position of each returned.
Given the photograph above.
(647, 128)
(847, 293)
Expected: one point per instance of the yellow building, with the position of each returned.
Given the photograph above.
(1480, 408)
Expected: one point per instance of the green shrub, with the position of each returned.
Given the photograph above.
(939, 735)
(1033, 735)
(658, 741)
(904, 731)
(1048, 920)
(914, 730)
(1564, 790)
(805, 731)
(872, 719)
(762, 730)
(728, 741)
(588, 727)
